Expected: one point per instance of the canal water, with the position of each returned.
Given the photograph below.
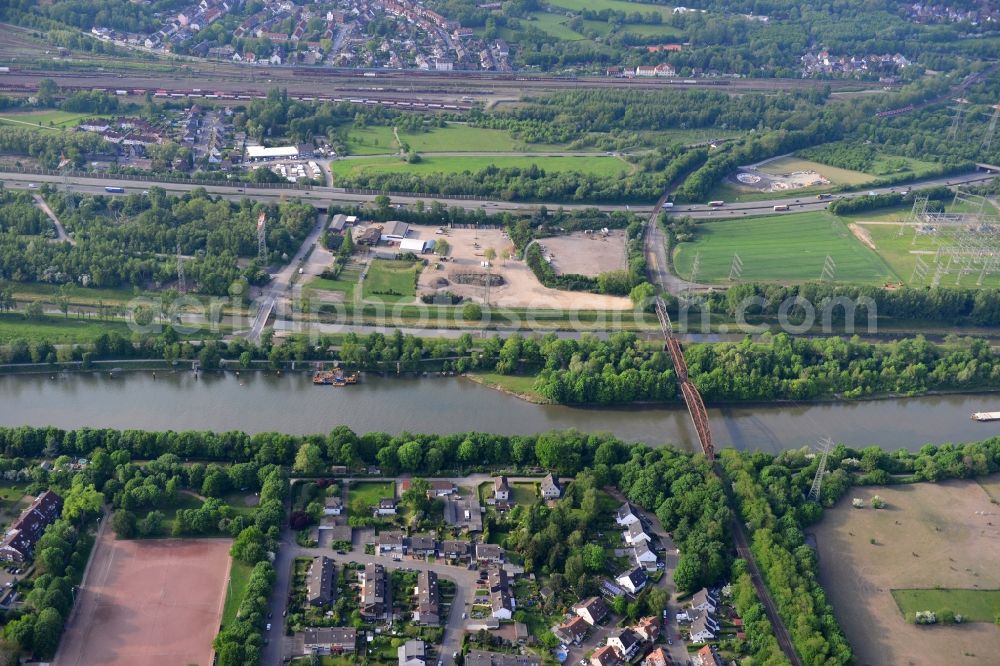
(259, 401)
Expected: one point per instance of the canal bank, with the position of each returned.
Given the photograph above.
(289, 402)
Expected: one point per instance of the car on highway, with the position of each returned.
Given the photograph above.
(32, 186)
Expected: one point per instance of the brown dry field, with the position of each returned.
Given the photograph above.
(929, 535)
(155, 602)
(520, 289)
(586, 254)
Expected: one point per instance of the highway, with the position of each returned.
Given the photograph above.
(811, 203)
(318, 196)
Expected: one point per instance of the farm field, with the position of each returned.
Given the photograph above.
(789, 248)
(387, 279)
(930, 535)
(555, 25)
(602, 166)
(50, 120)
(155, 602)
(972, 605)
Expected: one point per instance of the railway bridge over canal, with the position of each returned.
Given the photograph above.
(699, 417)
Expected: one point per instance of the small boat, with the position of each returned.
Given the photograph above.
(986, 416)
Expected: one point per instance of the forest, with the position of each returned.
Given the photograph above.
(132, 241)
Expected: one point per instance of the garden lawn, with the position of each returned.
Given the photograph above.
(524, 493)
(345, 283)
(369, 492)
(973, 605)
(789, 248)
(239, 576)
(601, 166)
(391, 279)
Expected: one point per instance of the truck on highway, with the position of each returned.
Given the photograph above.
(780, 207)
(668, 204)
(114, 190)
(716, 204)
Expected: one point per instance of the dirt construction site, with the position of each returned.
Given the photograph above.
(520, 288)
(156, 602)
(929, 535)
(590, 254)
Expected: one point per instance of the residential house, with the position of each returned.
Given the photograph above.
(483, 658)
(632, 581)
(703, 628)
(648, 629)
(501, 599)
(644, 556)
(635, 533)
(626, 515)
(370, 236)
(428, 599)
(708, 656)
(330, 640)
(455, 550)
(593, 610)
(657, 657)
(412, 653)
(705, 600)
(550, 488)
(19, 541)
(376, 594)
(501, 489)
(333, 506)
(605, 656)
(319, 583)
(573, 630)
(441, 488)
(627, 642)
(421, 546)
(489, 553)
(386, 507)
(390, 543)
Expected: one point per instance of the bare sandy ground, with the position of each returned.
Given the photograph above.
(587, 254)
(930, 535)
(520, 289)
(862, 234)
(152, 602)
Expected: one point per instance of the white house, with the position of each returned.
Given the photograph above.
(386, 507)
(705, 600)
(593, 610)
(643, 556)
(625, 515)
(635, 533)
(333, 506)
(550, 488)
(627, 642)
(632, 581)
(704, 628)
(501, 489)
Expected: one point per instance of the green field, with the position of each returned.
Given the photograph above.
(56, 120)
(904, 252)
(524, 493)
(601, 166)
(555, 25)
(616, 5)
(369, 492)
(388, 278)
(973, 605)
(788, 248)
(239, 576)
(344, 284)
(56, 329)
(375, 140)
(455, 138)
(523, 385)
